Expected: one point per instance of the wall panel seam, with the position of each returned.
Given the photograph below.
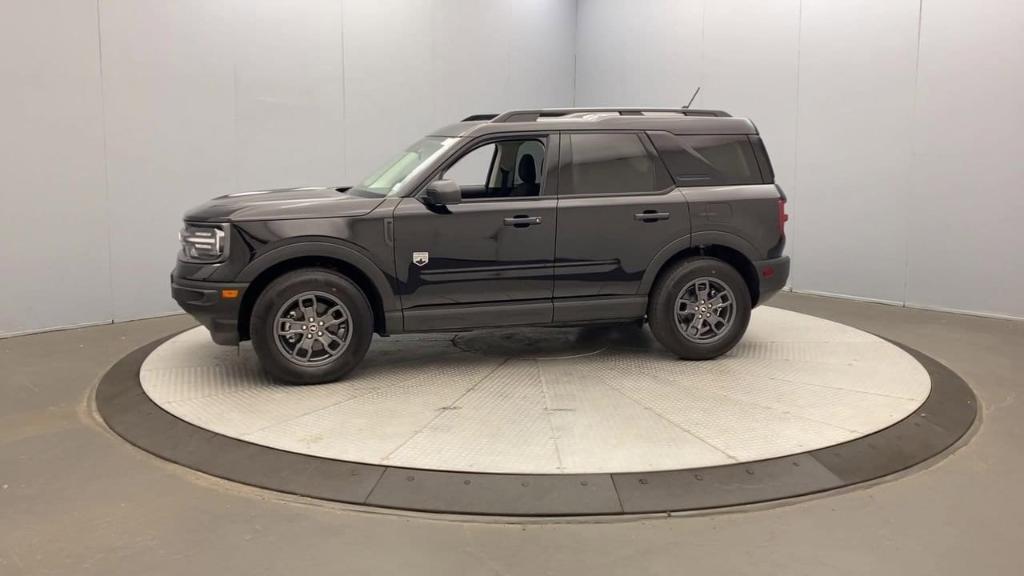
(908, 193)
(109, 305)
(344, 99)
(790, 245)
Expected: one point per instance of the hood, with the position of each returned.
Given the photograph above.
(283, 204)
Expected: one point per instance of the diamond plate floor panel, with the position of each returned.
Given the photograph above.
(555, 401)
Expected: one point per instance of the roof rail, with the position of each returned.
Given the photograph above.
(533, 115)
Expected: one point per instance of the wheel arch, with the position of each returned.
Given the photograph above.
(344, 260)
(732, 250)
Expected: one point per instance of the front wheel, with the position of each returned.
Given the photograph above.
(699, 309)
(311, 326)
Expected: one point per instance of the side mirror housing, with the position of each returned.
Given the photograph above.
(443, 193)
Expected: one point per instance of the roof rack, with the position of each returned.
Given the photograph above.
(534, 115)
(479, 117)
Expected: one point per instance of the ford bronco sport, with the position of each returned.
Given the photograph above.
(531, 217)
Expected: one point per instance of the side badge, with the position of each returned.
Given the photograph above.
(420, 258)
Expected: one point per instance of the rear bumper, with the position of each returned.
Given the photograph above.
(772, 275)
(205, 302)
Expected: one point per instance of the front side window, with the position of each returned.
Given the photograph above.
(503, 169)
(616, 163)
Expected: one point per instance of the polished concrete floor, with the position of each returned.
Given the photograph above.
(75, 499)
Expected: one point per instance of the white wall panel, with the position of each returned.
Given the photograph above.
(168, 72)
(53, 220)
(288, 93)
(965, 221)
(388, 80)
(451, 58)
(857, 63)
(640, 53)
(541, 53)
(492, 56)
(469, 63)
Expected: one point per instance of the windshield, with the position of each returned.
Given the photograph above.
(389, 178)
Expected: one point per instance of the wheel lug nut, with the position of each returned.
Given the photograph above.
(319, 333)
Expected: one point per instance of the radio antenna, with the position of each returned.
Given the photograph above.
(692, 98)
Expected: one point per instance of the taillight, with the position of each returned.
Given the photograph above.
(783, 217)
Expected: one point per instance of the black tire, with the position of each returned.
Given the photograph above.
(665, 301)
(283, 291)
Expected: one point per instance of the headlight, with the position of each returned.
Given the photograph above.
(203, 242)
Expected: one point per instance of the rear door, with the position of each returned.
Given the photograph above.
(728, 183)
(617, 208)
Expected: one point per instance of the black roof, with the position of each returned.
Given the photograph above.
(675, 120)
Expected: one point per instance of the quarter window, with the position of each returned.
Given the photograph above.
(708, 160)
(610, 164)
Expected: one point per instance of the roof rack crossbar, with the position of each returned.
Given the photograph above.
(535, 114)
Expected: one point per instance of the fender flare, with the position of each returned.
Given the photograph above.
(706, 238)
(325, 248)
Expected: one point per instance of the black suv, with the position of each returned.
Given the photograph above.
(530, 217)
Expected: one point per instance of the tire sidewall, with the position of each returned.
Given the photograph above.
(661, 314)
(277, 293)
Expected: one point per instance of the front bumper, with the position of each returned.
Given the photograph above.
(772, 275)
(208, 303)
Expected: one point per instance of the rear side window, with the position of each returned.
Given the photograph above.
(708, 160)
(612, 163)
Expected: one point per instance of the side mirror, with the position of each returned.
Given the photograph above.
(443, 192)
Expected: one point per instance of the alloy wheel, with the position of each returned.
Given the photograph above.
(705, 309)
(312, 329)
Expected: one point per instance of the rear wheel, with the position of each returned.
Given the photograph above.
(699, 309)
(310, 326)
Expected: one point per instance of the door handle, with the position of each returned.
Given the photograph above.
(650, 216)
(522, 221)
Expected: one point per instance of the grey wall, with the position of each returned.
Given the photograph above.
(894, 125)
(54, 264)
(118, 115)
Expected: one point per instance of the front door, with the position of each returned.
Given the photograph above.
(488, 260)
